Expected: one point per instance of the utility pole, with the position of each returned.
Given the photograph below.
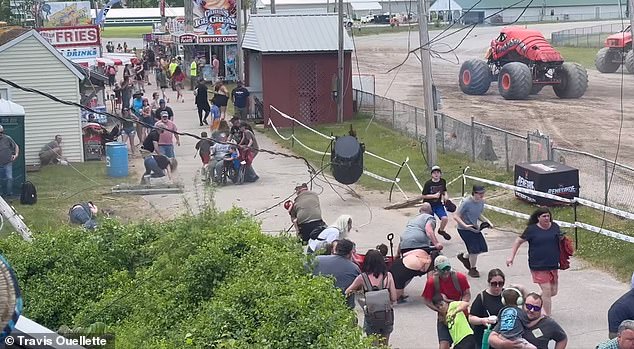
(240, 31)
(189, 16)
(163, 21)
(340, 70)
(630, 12)
(430, 122)
(272, 6)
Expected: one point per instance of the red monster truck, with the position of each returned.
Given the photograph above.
(522, 62)
(617, 51)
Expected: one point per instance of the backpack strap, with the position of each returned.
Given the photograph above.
(456, 283)
(366, 282)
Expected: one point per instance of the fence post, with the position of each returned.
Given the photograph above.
(442, 130)
(293, 134)
(605, 181)
(548, 149)
(472, 139)
(393, 114)
(373, 105)
(528, 146)
(574, 212)
(416, 121)
(506, 151)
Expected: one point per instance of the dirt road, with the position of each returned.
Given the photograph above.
(590, 123)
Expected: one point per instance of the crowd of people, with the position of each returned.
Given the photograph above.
(501, 316)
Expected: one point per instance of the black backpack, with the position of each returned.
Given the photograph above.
(29, 194)
(314, 234)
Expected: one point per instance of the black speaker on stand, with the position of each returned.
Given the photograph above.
(346, 159)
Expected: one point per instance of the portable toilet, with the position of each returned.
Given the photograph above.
(12, 119)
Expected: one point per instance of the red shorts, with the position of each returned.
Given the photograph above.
(545, 276)
(204, 158)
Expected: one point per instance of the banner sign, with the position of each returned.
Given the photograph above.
(72, 36)
(75, 53)
(215, 17)
(217, 39)
(65, 14)
(187, 39)
(101, 17)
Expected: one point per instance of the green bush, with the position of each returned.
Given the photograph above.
(196, 282)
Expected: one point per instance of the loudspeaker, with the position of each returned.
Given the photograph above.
(346, 159)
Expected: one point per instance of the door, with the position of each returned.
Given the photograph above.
(307, 91)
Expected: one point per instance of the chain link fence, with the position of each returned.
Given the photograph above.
(601, 180)
(585, 37)
(598, 177)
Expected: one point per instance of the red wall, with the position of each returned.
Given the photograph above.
(281, 75)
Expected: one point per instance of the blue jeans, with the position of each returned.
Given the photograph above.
(6, 176)
(167, 150)
(79, 216)
(152, 168)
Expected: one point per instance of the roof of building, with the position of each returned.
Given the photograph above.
(9, 33)
(33, 33)
(294, 33)
(499, 4)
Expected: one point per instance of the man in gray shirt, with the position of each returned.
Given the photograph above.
(467, 217)
(340, 266)
(419, 231)
(9, 151)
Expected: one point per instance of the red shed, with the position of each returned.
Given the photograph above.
(291, 64)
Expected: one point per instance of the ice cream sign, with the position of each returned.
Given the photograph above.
(215, 17)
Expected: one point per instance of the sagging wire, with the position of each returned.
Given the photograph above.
(311, 169)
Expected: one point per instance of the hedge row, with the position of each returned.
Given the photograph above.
(196, 282)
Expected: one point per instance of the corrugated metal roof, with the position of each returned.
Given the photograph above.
(294, 33)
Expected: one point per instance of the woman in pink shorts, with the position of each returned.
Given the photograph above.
(543, 237)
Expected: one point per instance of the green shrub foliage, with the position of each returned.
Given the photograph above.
(210, 281)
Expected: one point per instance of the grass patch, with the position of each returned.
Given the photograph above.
(387, 143)
(362, 30)
(60, 187)
(126, 32)
(602, 252)
(582, 55)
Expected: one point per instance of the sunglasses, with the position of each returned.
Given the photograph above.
(497, 283)
(533, 307)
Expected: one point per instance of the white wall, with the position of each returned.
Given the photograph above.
(31, 64)
(571, 13)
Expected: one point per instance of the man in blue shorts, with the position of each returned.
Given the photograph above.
(435, 193)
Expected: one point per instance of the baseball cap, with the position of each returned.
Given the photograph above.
(161, 101)
(442, 262)
(436, 168)
(301, 186)
(479, 189)
(1, 128)
(165, 113)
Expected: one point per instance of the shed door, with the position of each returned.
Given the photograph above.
(307, 91)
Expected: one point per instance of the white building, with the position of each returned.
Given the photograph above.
(30, 61)
(539, 10)
(354, 8)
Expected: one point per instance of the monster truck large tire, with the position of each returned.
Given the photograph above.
(515, 81)
(629, 61)
(475, 77)
(574, 81)
(604, 61)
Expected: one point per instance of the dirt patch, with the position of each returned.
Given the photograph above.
(590, 123)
